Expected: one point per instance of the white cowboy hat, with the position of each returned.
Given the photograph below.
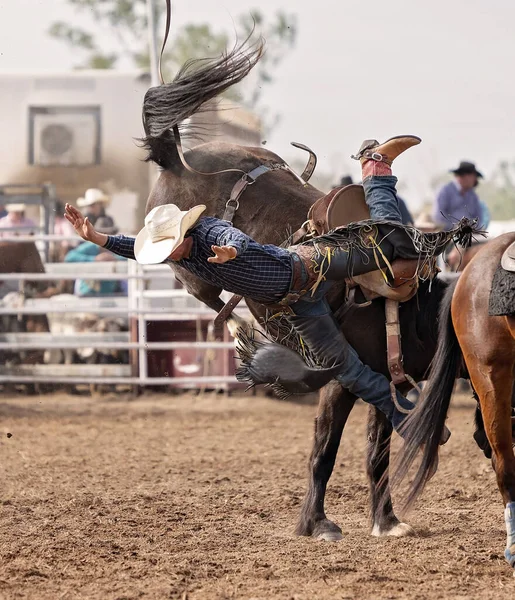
(15, 208)
(92, 196)
(165, 228)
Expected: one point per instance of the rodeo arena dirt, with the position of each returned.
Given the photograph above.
(221, 375)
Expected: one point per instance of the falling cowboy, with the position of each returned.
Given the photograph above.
(297, 279)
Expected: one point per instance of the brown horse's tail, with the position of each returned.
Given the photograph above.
(425, 424)
(168, 105)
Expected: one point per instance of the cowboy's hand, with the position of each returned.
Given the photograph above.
(222, 254)
(83, 226)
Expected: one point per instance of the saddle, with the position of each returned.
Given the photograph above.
(345, 205)
(508, 258)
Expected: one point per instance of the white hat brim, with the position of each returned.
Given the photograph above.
(83, 203)
(153, 253)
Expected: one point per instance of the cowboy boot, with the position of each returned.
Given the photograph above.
(386, 152)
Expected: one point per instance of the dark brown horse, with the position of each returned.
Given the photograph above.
(23, 257)
(275, 205)
(485, 345)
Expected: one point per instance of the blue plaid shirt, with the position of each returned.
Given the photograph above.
(260, 272)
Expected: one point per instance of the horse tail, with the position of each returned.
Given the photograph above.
(168, 105)
(425, 424)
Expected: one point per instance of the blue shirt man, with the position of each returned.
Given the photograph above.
(458, 198)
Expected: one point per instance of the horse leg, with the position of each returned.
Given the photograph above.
(494, 384)
(480, 434)
(384, 521)
(333, 410)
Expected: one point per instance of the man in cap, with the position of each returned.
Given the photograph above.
(458, 198)
(95, 202)
(298, 278)
(17, 221)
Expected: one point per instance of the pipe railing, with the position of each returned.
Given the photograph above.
(136, 306)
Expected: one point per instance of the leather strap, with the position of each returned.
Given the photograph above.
(305, 230)
(393, 342)
(311, 164)
(377, 156)
(165, 39)
(226, 311)
(241, 185)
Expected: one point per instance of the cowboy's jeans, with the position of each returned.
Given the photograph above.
(381, 198)
(314, 322)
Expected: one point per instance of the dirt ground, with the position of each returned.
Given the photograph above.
(196, 497)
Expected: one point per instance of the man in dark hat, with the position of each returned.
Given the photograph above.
(458, 198)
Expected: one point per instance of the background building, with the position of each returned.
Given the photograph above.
(80, 129)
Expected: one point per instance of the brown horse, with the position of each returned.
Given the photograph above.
(485, 345)
(271, 208)
(458, 258)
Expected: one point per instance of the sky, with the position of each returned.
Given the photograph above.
(443, 70)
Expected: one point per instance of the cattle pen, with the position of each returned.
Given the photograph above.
(154, 308)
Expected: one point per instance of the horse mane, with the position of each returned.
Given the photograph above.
(198, 81)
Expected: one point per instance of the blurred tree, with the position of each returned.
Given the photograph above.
(498, 191)
(125, 21)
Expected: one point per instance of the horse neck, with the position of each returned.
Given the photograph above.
(272, 214)
(270, 209)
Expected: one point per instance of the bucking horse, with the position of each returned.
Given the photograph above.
(268, 201)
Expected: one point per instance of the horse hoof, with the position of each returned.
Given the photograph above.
(330, 536)
(398, 530)
(327, 531)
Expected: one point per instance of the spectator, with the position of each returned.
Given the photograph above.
(95, 202)
(485, 215)
(62, 227)
(16, 219)
(344, 181)
(458, 198)
(89, 252)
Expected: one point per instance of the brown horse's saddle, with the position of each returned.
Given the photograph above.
(508, 258)
(346, 205)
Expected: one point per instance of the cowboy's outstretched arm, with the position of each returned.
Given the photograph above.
(234, 238)
(117, 244)
(122, 245)
(83, 226)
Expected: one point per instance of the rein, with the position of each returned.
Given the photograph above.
(247, 178)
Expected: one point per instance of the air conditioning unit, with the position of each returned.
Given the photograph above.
(65, 139)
